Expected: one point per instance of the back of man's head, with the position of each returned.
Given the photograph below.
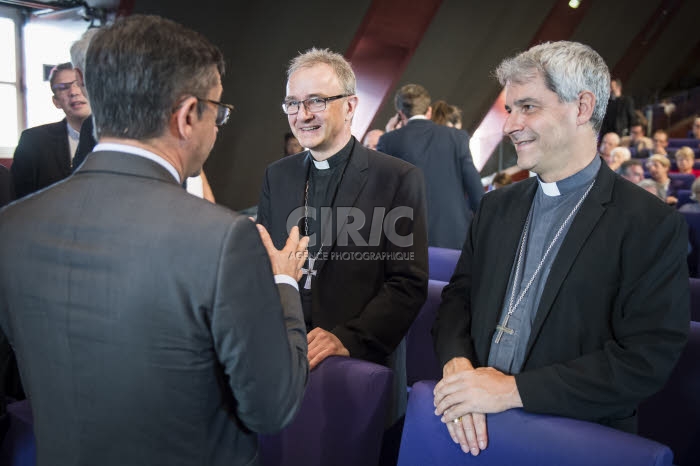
(568, 68)
(412, 100)
(140, 68)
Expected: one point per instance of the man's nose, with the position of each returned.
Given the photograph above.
(75, 88)
(303, 112)
(512, 124)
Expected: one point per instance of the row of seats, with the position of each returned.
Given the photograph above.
(341, 419)
(677, 143)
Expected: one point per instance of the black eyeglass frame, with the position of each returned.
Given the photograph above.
(64, 87)
(299, 103)
(223, 111)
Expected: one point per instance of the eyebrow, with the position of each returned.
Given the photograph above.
(310, 96)
(526, 100)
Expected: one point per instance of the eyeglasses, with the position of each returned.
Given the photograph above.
(64, 87)
(312, 104)
(223, 111)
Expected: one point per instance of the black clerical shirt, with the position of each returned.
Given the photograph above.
(324, 182)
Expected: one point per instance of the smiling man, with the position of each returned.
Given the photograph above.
(571, 293)
(44, 154)
(367, 273)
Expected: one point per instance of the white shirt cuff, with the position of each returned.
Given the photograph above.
(286, 279)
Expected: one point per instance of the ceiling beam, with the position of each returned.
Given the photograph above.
(382, 48)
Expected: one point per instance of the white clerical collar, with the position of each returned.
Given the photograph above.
(418, 117)
(133, 150)
(550, 189)
(322, 165)
(575, 182)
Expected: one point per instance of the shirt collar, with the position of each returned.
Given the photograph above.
(418, 117)
(133, 150)
(572, 183)
(72, 133)
(336, 159)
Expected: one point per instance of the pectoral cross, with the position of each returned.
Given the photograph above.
(503, 328)
(309, 272)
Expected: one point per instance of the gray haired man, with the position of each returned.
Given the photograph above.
(571, 293)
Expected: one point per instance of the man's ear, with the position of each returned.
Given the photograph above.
(429, 113)
(352, 102)
(55, 101)
(184, 118)
(586, 104)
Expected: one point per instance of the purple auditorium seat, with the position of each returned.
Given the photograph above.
(340, 421)
(517, 437)
(19, 445)
(676, 143)
(693, 220)
(694, 299)
(442, 263)
(681, 180)
(683, 196)
(421, 361)
(672, 416)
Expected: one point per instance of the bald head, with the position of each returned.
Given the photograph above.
(608, 143)
(372, 138)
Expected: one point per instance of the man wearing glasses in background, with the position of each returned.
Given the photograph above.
(367, 273)
(44, 154)
(147, 323)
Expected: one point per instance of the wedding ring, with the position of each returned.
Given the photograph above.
(458, 420)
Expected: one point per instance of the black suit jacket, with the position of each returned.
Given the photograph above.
(7, 191)
(146, 322)
(368, 296)
(42, 157)
(614, 314)
(619, 116)
(443, 155)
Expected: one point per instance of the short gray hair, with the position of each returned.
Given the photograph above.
(568, 68)
(340, 66)
(624, 152)
(78, 50)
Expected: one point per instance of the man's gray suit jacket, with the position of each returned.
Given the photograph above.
(146, 321)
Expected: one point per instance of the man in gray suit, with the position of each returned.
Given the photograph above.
(147, 324)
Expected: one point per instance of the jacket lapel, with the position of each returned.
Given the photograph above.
(294, 189)
(510, 228)
(59, 136)
(584, 222)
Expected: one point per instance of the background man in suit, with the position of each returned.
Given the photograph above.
(571, 293)
(619, 116)
(368, 279)
(147, 324)
(443, 155)
(44, 153)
